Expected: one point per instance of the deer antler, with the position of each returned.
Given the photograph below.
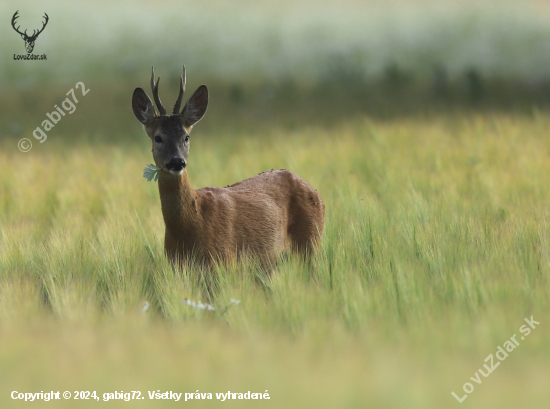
(155, 88)
(182, 91)
(15, 17)
(43, 27)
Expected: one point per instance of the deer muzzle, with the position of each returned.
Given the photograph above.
(176, 166)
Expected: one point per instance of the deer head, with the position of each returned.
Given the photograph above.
(169, 133)
(29, 40)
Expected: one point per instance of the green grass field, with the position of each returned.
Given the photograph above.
(436, 248)
(423, 124)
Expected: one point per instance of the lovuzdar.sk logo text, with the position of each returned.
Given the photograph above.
(29, 39)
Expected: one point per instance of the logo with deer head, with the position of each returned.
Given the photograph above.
(29, 40)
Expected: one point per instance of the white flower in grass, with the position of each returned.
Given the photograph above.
(198, 305)
(145, 307)
(234, 301)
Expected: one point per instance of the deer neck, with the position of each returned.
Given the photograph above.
(179, 202)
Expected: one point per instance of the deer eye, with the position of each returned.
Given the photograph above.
(158, 139)
(186, 138)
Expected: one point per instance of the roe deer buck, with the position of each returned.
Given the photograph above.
(261, 216)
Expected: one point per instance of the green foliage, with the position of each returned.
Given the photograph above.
(430, 157)
(151, 172)
(435, 249)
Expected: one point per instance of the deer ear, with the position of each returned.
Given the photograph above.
(195, 108)
(142, 106)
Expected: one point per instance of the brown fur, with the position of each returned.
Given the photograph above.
(261, 216)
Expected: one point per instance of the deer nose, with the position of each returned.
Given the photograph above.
(176, 164)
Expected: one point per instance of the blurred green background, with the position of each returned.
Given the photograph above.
(271, 61)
